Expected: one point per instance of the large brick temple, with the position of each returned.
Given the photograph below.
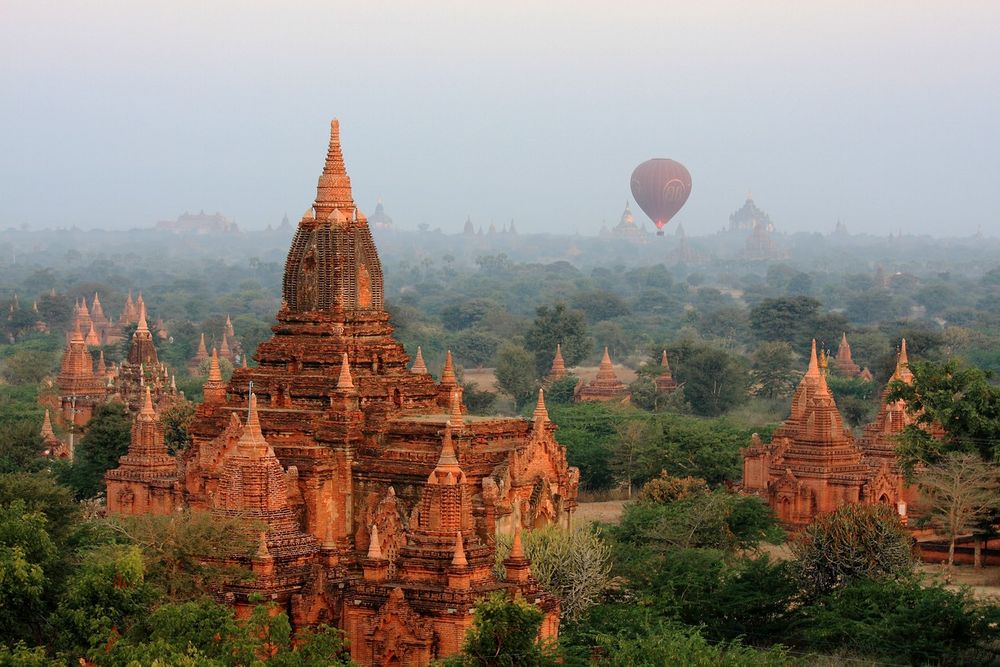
(375, 498)
(813, 464)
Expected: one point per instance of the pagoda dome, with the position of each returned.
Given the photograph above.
(332, 264)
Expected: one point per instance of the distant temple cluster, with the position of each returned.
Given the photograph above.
(85, 380)
(606, 385)
(374, 499)
(470, 229)
(813, 464)
(760, 244)
(199, 223)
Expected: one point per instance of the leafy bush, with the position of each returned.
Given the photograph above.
(853, 542)
(574, 565)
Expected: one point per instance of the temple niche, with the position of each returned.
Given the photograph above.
(381, 496)
(813, 463)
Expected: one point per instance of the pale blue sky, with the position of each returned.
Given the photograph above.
(120, 113)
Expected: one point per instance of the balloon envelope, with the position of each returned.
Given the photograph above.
(661, 187)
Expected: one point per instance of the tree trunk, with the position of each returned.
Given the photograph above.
(951, 553)
(978, 553)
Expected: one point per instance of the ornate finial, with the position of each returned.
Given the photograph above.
(252, 439)
(143, 326)
(456, 419)
(418, 363)
(541, 414)
(147, 406)
(664, 362)
(374, 547)
(813, 369)
(448, 374)
(214, 372)
(517, 549)
(458, 559)
(345, 382)
(606, 359)
(334, 188)
(448, 456)
(47, 431)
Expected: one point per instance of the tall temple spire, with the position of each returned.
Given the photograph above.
(147, 412)
(456, 420)
(448, 374)
(214, 389)
(47, 431)
(902, 371)
(333, 192)
(813, 370)
(143, 326)
(558, 370)
(252, 442)
(541, 414)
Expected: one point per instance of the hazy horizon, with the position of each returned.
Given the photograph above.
(122, 114)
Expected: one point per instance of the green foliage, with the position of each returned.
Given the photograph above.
(714, 380)
(183, 552)
(39, 492)
(105, 441)
(560, 392)
(106, 593)
(479, 402)
(22, 656)
(205, 633)
(625, 635)
(574, 565)
(903, 620)
(467, 313)
(853, 542)
(175, 420)
(958, 398)
(515, 374)
(20, 447)
(475, 347)
(772, 372)
(504, 633)
(27, 366)
(788, 319)
(27, 556)
(562, 326)
(717, 519)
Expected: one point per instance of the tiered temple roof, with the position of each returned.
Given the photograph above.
(812, 463)
(144, 479)
(665, 381)
(374, 459)
(558, 370)
(80, 389)
(626, 227)
(605, 387)
(844, 362)
(142, 369)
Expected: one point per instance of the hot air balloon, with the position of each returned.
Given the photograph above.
(661, 187)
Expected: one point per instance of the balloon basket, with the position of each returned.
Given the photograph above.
(659, 232)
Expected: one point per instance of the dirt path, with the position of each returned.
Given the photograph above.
(609, 511)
